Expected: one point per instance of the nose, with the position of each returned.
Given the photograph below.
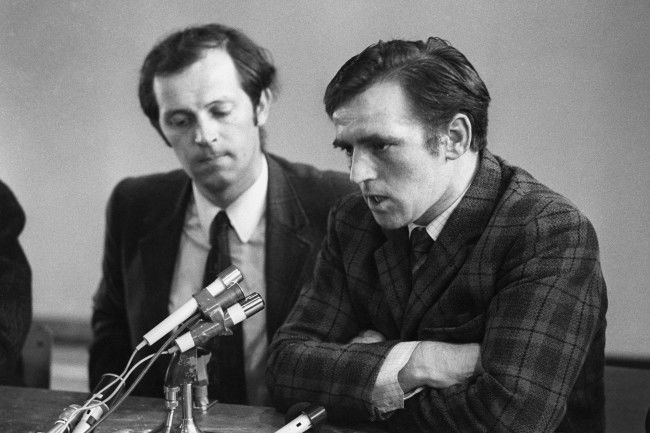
(361, 166)
(205, 132)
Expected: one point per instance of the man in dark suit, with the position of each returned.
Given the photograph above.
(455, 293)
(15, 289)
(207, 90)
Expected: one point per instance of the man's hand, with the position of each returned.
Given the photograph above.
(368, 336)
(439, 365)
(432, 363)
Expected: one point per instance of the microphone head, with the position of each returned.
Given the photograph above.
(295, 410)
(316, 414)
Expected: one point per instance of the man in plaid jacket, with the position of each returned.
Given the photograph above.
(455, 292)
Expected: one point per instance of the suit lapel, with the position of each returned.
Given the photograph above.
(158, 251)
(392, 259)
(461, 232)
(287, 246)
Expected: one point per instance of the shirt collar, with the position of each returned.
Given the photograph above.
(244, 213)
(435, 227)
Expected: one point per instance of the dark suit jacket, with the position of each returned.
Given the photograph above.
(145, 218)
(516, 269)
(15, 289)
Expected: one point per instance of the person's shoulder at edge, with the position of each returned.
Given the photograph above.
(532, 194)
(325, 187)
(12, 215)
(149, 189)
(145, 185)
(307, 171)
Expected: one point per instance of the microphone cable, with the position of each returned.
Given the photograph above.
(97, 397)
(191, 321)
(98, 401)
(118, 381)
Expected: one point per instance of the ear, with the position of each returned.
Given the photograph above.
(459, 136)
(263, 107)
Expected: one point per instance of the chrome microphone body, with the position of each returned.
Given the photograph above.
(218, 289)
(205, 330)
(308, 418)
(90, 416)
(66, 420)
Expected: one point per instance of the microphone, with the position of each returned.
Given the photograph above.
(309, 416)
(225, 291)
(104, 394)
(205, 330)
(90, 417)
(66, 420)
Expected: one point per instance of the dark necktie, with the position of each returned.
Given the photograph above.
(421, 243)
(227, 382)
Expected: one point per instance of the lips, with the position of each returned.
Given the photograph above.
(374, 200)
(211, 157)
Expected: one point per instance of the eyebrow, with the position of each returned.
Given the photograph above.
(369, 139)
(219, 102)
(373, 138)
(208, 104)
(170, 113)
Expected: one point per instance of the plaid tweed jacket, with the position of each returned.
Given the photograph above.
(516, 269)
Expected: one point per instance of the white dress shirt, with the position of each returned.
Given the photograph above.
(247, 253)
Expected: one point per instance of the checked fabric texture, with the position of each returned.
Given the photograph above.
(227, 382)
(515, 269)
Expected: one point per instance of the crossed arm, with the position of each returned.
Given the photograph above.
(538, 328)
(346, 348)
(434, 364)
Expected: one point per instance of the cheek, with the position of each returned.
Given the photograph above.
(181, 155)
(415, 186)
(176, 139)
(393, 170)
(183, 146)
(245, 140)
(403, 178)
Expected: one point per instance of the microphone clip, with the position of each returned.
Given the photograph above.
(213, 310)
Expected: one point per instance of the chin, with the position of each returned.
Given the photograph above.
(389, 222)
(213, 182)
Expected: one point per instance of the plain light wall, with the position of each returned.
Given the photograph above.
(569, 82)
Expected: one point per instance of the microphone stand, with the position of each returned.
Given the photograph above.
(182, 374)
(187, 371)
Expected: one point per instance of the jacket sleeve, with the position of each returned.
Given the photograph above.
(15, 288)
(310, 359)
(548, 310)
(110, 347)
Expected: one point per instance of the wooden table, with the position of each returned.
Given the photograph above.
(30, 410)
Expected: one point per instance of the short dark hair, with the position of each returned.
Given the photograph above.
(184, 47)
(438, 79)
